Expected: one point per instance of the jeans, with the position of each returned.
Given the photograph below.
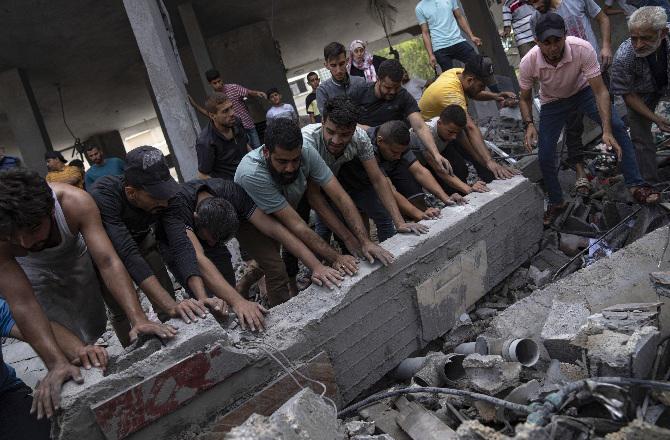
(462, 52)
(16, 422)
(643, 139)
(367, 202)
(254, 140)
(553, 118)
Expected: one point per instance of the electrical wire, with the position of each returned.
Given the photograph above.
(434, 390)
(62, 109)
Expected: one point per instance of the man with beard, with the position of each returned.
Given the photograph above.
(50, 237)
(223, 142)
(279, 174)
(640, 74)
(131, 206)
(100, 165)
(339, 142)
(569, 76)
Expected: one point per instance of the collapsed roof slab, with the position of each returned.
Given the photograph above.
(370, 324)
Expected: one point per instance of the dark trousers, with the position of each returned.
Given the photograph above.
(16, 422)
(458, 158)
(462, 52)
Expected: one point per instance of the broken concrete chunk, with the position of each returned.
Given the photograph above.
(538, 277)
(617, 354)
(661, 282)
(305, 415)
(562, 325)
(490, 374)
(639, 430)
(421, 424)
(358, 427)
(473, 430)
(373, 437)
(485, 312)
(385, 420)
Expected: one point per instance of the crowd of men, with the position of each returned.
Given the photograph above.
(73, 258)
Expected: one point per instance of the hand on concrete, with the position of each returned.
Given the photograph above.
(91, 355)
(458, 199)
(250, 314)
(431, 214)
(216, 305)
(531, 138)
(147, 327)
(372, 250)
(328, 276)
(347, 263)
(612, 144)
(480, 187)
(46, 398)
(188, 310)
(416, 228)
(502, 172)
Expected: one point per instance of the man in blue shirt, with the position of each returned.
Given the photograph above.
(101, 166)
(440, 21)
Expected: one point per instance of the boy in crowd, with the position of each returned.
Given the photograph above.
(279, 109)
(310, 102)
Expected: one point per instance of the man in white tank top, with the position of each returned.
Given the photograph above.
(49, 233)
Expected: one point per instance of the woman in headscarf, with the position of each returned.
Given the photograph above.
(363, 63)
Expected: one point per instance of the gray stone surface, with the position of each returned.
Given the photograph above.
(367, 326)
(490, 374)
(563, 323)
(621, 278)
(617, 354)
(359, 427)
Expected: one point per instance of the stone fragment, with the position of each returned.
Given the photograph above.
(562, 325)
(485, 312)
(358, 427)
(373, 437)
(617, 354)
(639, 430)
(473, 430)
(538, 277)
(490, 374)
(518, 279)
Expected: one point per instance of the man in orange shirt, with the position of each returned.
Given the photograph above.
(61, 173)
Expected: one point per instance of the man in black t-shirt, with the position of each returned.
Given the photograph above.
(391, 144)
(386, 100)
(223, 143)
(310, 102)
(210, 212)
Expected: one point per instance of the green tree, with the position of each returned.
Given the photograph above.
(413, 57)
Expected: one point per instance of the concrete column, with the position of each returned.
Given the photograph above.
(482, 24)
(196, 41)
(25, 119)
(150, 23)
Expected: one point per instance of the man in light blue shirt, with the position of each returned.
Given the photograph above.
(278, 175)
(440, 21)
(101, 166)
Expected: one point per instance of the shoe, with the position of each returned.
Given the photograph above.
(553, 212)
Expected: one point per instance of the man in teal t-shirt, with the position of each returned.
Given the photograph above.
(101, 166)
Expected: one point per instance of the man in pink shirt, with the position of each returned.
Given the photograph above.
(570, 81)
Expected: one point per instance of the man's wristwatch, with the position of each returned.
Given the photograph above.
(527, 123)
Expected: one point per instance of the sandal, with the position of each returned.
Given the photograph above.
(583, 186)
(553, 212)
(646, 195)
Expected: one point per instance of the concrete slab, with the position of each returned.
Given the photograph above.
(366, 327)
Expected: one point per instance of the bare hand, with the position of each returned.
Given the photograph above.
(431, 214)
(372, 250)
(216, 305)
(480, 187)
(612, 144)
(328, 276)
(433, 60)
(663, 124)
(187, 310)
(458, 199)
(91, 355)
(476, 40)
(347, 263)
(263, 95)
(530, 139)
(146, 327)
(441, 165)
(605, 58)
(410, 227)
(250, 314)
(501, 172)
(46, 398)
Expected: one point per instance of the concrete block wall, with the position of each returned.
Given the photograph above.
(375, 320)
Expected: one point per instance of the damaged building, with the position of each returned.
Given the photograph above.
(489, 326)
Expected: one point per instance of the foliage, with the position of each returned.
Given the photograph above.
(413, 57)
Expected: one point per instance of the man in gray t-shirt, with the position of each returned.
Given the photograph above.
(278, 175)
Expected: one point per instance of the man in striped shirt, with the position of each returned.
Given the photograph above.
(517, 15)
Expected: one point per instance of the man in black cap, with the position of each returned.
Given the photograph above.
(131, 207)
(570, 81)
